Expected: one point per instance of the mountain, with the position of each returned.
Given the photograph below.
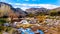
(37, 10)
(7, 10)
(57, 9)
(20, 12)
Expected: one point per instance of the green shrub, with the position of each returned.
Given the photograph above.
(2, 20)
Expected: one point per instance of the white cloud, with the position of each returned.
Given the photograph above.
(25, 6)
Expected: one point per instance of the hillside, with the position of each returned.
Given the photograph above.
(7, 10)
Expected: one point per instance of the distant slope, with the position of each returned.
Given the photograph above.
(37, 10)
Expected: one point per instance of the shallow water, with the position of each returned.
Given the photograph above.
(29, 31)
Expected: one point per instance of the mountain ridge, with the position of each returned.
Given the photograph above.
(7, 9)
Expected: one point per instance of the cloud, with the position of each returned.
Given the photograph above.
(25, 6)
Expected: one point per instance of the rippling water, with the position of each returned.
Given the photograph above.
(29, 31)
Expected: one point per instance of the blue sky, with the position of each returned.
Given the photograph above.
(33, 3)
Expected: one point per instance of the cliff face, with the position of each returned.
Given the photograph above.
(8, 10)
(5, 6)
(5, 9)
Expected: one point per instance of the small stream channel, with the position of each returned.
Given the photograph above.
(29, 31)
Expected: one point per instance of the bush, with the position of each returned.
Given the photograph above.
(2, 20)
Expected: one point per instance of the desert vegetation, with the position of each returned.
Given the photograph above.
(11, 19)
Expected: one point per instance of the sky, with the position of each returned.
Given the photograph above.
(25, 4)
